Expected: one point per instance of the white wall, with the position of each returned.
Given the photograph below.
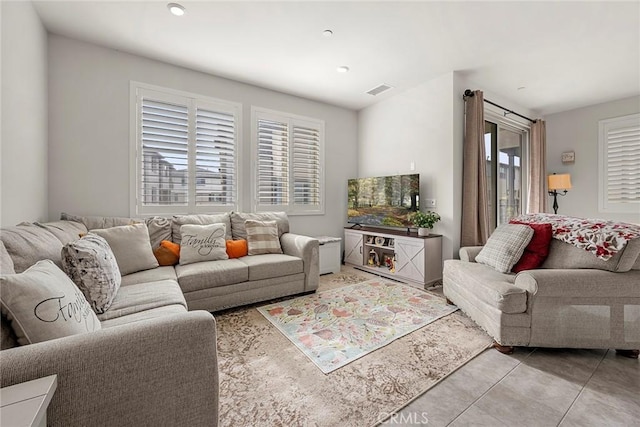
(24, 115)
(424, 124)
(89, 130)
(416, 126)
(577, 130)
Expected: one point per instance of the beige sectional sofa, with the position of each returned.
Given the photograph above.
(154, 360)
(573, 300)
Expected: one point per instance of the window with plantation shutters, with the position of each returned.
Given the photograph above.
(184, 150)
(619, 171)
(164, 156)
(306, 166)
(215, 158)
(288, 162)
(273, 163)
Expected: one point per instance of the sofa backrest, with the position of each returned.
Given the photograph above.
(566, 256)
(65, 231)
(238, 218)
(159, 227)
(29, 243)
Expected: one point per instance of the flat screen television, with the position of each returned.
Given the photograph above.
(384, 200)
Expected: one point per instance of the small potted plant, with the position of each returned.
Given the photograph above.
(424, 221)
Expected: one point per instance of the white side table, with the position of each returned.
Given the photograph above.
(25, 404)
(329, 254)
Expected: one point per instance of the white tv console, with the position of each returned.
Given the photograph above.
(414, 259)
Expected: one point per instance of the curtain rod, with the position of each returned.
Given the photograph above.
(469, 93)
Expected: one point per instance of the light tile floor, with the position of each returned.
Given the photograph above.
(533, 387)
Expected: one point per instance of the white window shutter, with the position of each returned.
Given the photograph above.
(306, 166)
(272, 162)
(184, 151)
(215, 158)
(164, 156)
(620, 164)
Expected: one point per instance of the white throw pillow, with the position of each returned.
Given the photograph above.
(262, 237)
(203, 243)
(131, 246)
(90, 263)
(42, 304)
(505, 246)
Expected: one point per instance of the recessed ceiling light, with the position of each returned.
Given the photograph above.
(342, 69)
(176, 9)
(327, 33)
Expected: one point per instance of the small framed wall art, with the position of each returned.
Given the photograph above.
(568, 157)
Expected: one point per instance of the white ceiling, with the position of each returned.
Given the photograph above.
(565, 54)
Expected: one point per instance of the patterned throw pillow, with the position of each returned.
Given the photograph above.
(42, 304)
(90, 263)
(262, 237)
(505, 246)
(202, 243)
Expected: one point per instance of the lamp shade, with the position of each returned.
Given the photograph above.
(559, 182)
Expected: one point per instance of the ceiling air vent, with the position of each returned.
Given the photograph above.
(379, 89)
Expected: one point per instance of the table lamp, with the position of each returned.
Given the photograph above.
(558, 185)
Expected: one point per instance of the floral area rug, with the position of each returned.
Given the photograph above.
(336, 327)
(266, 381)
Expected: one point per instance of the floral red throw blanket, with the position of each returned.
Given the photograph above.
(602, 238)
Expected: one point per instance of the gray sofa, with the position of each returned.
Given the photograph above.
(573, 301)
(154, 361)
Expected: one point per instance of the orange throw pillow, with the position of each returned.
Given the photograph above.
(237, 248)
(168, 253)
(173, 247)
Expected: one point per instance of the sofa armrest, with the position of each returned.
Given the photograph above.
(469, 253)
(160, 371)
(306, 248)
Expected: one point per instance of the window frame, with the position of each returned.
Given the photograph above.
(193, 101)
(292, 120)
(621, 122)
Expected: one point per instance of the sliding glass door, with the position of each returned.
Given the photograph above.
(504, 148)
